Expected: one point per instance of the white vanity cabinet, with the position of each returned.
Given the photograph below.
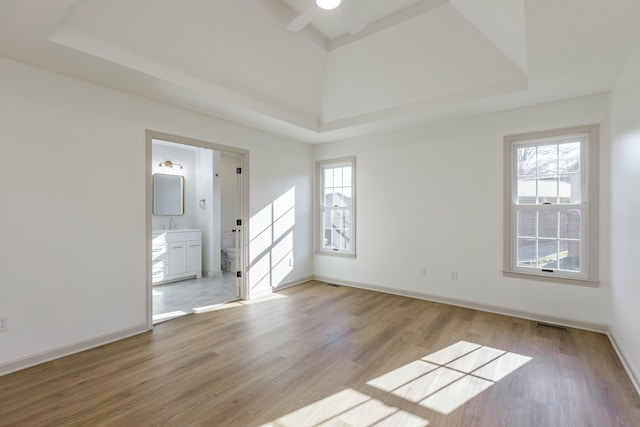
(176, 255)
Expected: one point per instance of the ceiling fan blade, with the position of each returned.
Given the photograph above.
(351, 20)
(303, 19)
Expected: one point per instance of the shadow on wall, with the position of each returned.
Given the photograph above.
(271, 244)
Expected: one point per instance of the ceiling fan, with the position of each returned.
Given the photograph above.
(350, 19)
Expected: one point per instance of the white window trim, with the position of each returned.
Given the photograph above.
(319, 189)
(590, 232)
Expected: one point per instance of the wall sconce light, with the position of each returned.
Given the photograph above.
(169, 168)
(169, 165)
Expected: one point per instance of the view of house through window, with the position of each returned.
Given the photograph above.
(550, 204)
(336, 216)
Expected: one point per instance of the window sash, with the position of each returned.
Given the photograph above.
(586, 206)
(557, 270)
(336, 238)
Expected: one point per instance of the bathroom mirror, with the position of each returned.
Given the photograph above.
(168, 194)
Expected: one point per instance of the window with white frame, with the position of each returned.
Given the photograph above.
(551, 204)
(336, 206)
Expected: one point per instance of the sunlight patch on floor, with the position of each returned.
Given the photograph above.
(445, 380)
(348, 408)
(234, 304)
(442, 382)
(167, 316)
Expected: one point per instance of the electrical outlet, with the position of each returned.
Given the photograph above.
(423, 270)
(454, 274)
(4, 323)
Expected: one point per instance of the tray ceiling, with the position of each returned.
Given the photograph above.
(416, 61)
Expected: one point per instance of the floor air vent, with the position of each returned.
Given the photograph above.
(550, 326)
(334, 285)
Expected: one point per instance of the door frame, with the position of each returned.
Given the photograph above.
(242, 200)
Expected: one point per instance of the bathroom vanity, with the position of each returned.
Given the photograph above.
(176, 255)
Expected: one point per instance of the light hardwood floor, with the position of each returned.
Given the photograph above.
(322, 355)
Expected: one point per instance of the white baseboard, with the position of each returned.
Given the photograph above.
(562, 321)
(46, 356)
(633, 373)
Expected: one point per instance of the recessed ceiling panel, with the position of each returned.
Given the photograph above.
(329, 23)
(439, 55)
(415, 62)
(233, 45)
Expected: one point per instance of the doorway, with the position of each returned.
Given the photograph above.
(195, 226)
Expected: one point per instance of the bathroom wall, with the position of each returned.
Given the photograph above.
(74, 237)
(186, 156)
(208, 213)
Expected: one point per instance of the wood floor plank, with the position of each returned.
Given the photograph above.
(317, 355)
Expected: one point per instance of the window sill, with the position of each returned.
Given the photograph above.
(335, 254)
(564, 280)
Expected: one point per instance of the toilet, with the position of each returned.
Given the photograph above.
(230, 253)
(230, 259)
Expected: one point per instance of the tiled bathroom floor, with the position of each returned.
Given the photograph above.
(179, 298)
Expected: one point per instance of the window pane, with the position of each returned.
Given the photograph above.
(346, 176)
(526, 161)
(336, 220)
(548, 190)
(527, 191)
(346, 192)
(527, 223)
(339, 221)
(570, 188)
(335, 238)
(569, 157)
(326, 243)
(342, 196)
(526, 252)
(570, 224)
(337, 177)
(328, 197)
(570, 255)
(548, 253)
(328, 177)
(347, 219)
(547, 160)
(548, 224)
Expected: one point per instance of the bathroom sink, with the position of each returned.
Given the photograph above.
(179, 230)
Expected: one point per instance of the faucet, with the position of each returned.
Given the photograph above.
(172, 224)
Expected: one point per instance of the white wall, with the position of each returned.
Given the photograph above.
(625, 206)
(73, 253)
(433, 196)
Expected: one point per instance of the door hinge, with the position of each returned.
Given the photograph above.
(238, 222)
(238, 171)
(238, 273)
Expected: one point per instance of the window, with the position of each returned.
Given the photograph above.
(551, 205)
(336, 218)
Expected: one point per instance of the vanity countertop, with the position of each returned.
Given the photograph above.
(179, 230)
